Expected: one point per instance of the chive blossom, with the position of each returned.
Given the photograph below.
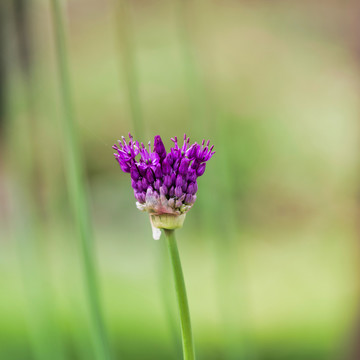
(164, 183)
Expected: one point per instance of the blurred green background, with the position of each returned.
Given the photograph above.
(271, 248)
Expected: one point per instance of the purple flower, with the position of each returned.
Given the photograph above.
(164, 183)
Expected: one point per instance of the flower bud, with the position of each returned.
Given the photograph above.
(192, 188)
(144, 183)
(124, 166)
(178, 191)
(163, 190)
(169, 158)
(191, 176)
(184, 186)
(201, 169)
(184, 166)
(195, 164)
(159, 147)
(139, 196)
(166, 168)
(167, 180)
(191, 152)
(142, 169)
(178, 203)
(139, 185)
(188, 199)
(134, 173)
(158, 171)
(157, 184)
(150, 176)
(179, 181)
(176, 165)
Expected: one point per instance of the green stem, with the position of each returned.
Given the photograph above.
(76, 186)
(187, 339)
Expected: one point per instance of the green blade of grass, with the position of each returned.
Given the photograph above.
(128, 68)
(77, 187)
(27, 221)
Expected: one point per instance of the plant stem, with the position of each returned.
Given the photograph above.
(76, 186)
(187, 339)
(165, 281)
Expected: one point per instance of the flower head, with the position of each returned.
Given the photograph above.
(165, 184)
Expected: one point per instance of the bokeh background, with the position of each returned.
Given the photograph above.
(271, 248)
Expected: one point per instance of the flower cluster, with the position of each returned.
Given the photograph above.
(163, 183)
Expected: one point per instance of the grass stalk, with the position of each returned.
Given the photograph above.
(76, 186)
(128, 68)
(26, 221)
(194, 87)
